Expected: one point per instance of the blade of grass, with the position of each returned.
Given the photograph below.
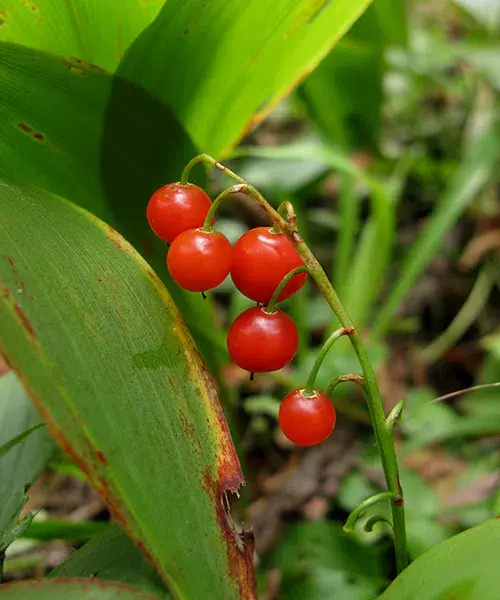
(463, 320)
(468, 181)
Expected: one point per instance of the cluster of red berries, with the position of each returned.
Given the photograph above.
(259, 340)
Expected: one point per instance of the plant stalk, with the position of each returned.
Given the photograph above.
(383, 433)
(309, 389)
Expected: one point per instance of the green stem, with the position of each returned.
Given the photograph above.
(207, 225)
(281, 286)
(285, 209)
(368, 526)
(309, 389)
(383, 433)
(359, 510)
(351, 377)
(394, 415)
(208, 160)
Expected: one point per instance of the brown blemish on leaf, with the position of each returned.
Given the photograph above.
(185, 32)
(39, 137)
(24, 320)
(101, 458)
(115, 238)
(76, 70)
(239, 545)
(25, 128)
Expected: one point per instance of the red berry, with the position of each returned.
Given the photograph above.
(260, 261)
(260, 342)
(306, 420)
(199, 260)
(175, 208)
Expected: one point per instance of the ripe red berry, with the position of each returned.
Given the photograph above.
(261, 259)
(199, 260)
(175, 208)
(259, 341)
(306, 420)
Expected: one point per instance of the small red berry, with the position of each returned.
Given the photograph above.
(261, 259)
(259, 341)
(199, 260)
(306, 420)
(175, 208)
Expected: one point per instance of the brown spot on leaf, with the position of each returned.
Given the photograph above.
(24, 319)
(39, 137)
(101, 458)
(239, 544)
(185, 32)
(25, 128)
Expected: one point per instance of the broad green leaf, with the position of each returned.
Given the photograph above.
(103, 143)
(221, 66)
(318, 561)
(95, 32)
(467, 182)
(23, 462)
(71, 589)
(465, 567)
(114, 557)
(106, 357)
(344, 93)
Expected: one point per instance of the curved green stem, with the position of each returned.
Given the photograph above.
(394, 415)
(351, 377)
(359, 510)
(286, 210)
(309, 389)
(383, 433)
(368, 526)
(281, 286)
(234, 189)
(208, 160)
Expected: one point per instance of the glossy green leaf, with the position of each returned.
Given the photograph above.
(71, 589)
(103, 143)
(114, 557)
(467, 182)
(222, 65)
(465, 567)
(105, 355)
(23, 462)
(96, 32)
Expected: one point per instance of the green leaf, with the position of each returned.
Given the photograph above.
(96, 32)
(105, 355)
(234, 59)
(59, 529)
(71, 589)
(114, 557)
(319, 561)
(467, 182)
(102, 142)
(465, 567)
(23, 462)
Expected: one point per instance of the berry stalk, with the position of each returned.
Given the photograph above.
(382, 430)
(282, 285)
(309, 389)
